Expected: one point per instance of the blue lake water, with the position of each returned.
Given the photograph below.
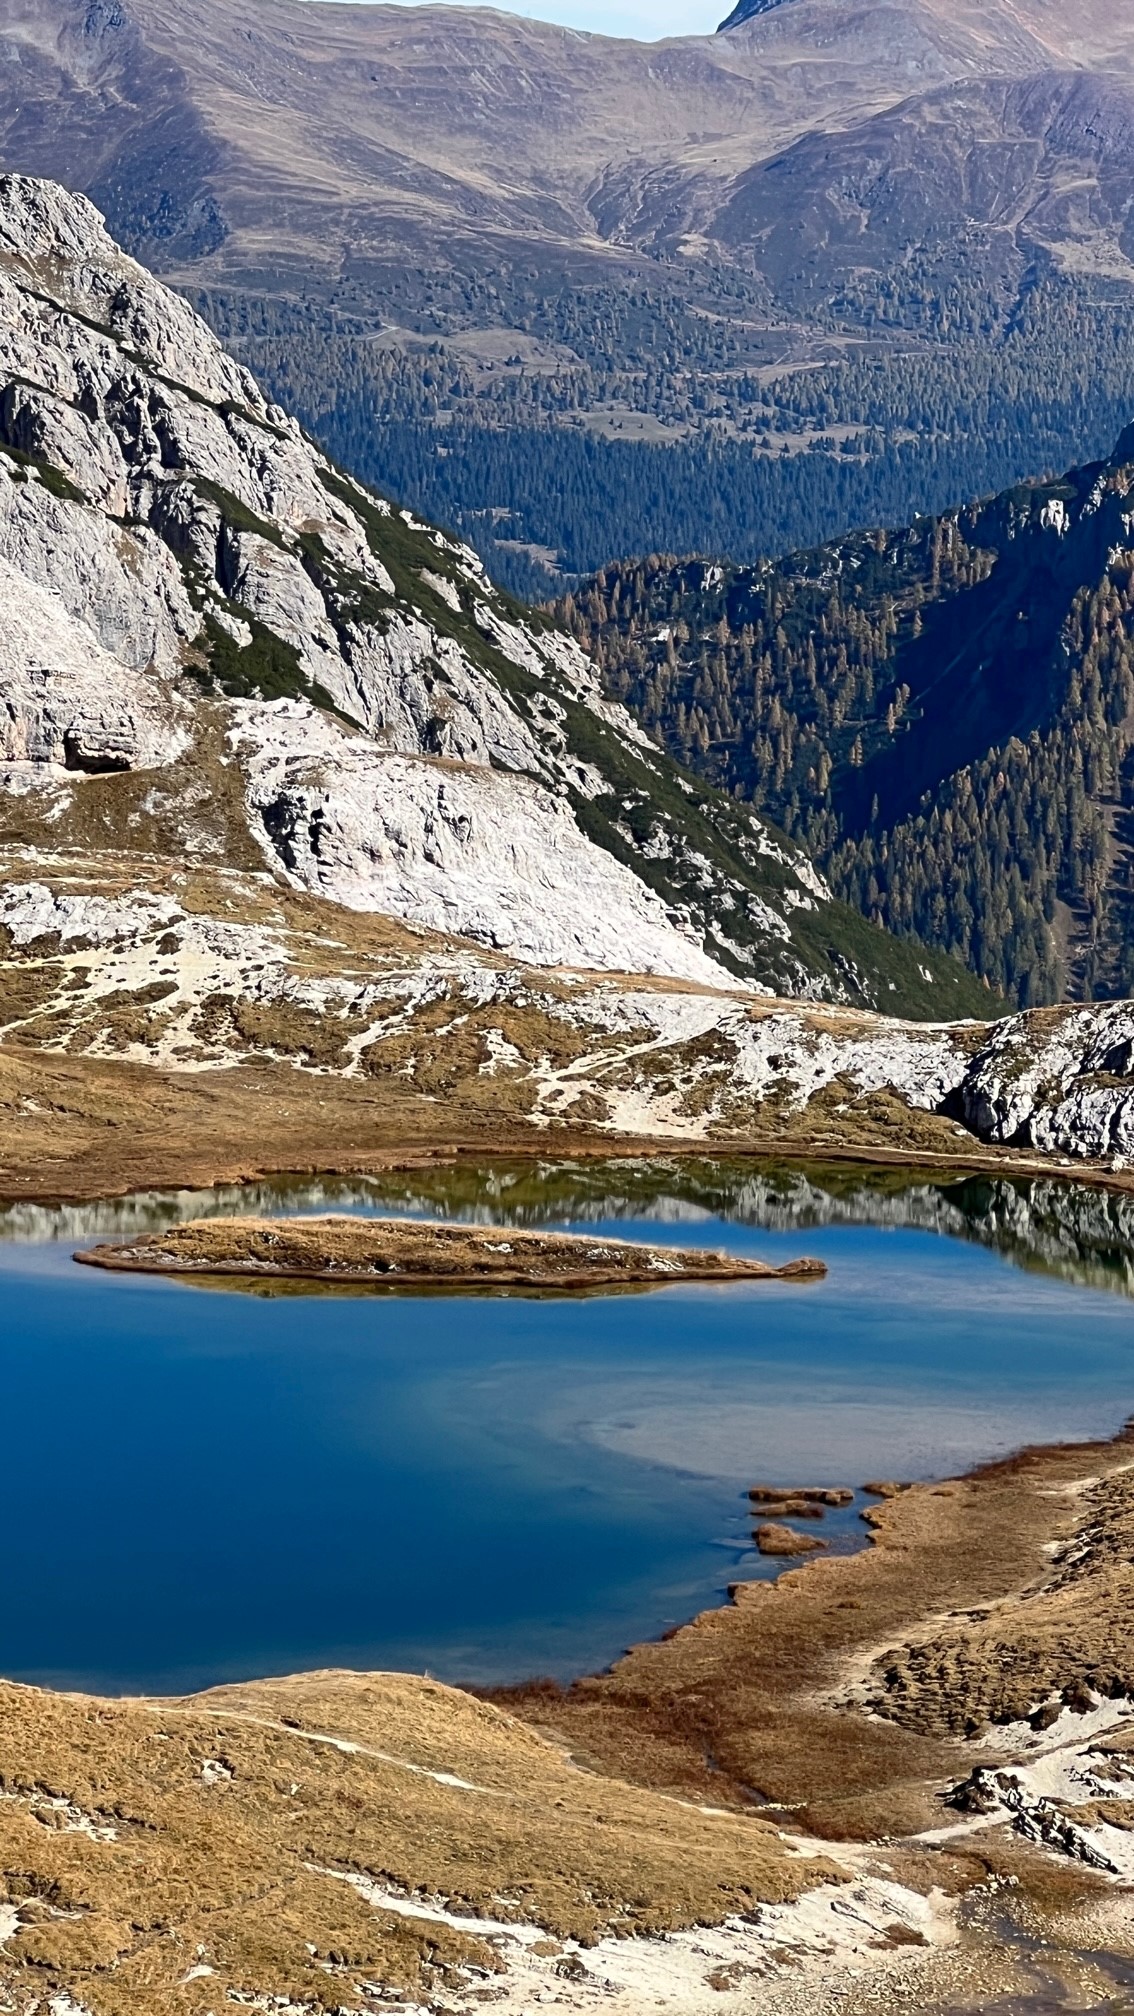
(199, 1484)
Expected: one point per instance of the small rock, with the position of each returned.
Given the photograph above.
(897, 1934)
(978, 1793)
(773, 1539)
(1078, 1697)
(775, 1494)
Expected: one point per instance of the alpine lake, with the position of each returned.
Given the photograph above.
(203, 1483)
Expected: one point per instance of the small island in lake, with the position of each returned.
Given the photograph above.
(414, 1252)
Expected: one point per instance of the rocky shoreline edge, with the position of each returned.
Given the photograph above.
(79, 1129)
(900, 1778)
(414, 1253)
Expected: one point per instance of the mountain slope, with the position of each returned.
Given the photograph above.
(399, 125)
(975, 180)
(684, 263)
(401, 740)
(310, 845)
(945, 714)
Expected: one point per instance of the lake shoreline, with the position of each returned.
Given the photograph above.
(75, 1130)
(903, 1849)
(957, 1699)
(900, 1777)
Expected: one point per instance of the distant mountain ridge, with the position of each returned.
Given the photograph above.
(819, 231)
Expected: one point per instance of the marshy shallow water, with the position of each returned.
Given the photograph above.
(204, 1484)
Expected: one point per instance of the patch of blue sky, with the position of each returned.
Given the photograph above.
(629, 20)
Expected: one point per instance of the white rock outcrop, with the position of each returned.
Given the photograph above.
(66, 701)
(156, 511)
(470, 851)
(1057, 1079)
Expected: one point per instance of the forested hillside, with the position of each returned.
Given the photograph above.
(953, 397)
(943, 715)
(577, 297)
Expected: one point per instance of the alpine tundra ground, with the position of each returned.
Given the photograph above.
(902, 1778)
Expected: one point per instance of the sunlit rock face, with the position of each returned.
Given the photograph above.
(174, 545)
(245, 704)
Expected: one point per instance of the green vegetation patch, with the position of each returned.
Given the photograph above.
(348, 597)
(237, 514)
(265, 669)
(53, 479)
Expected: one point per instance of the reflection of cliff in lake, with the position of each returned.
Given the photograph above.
(1080, 1233)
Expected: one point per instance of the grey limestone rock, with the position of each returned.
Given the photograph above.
(165, 527)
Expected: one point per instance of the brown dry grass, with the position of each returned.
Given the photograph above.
(24, 991)
(84, 1127)
(841, 1117)
(417, 1251)
(80, 1127)
(228, 1821)
(142, 1839)
(1075, 1631)
(195, 808)
(756, 1698)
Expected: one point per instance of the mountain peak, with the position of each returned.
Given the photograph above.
(747, 10)
(39, 218)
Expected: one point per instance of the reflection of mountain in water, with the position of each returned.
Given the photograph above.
(1080, 1233)
(1068, 1229)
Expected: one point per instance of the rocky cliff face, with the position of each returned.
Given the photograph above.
(283, 777)
(175, 550)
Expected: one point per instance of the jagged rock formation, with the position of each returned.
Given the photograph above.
(183, 561)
